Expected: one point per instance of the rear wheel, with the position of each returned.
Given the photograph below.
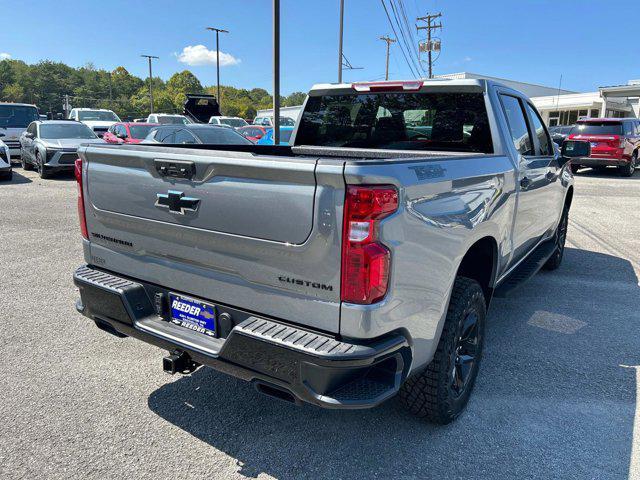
(560, 239)
(440, 392)
(628, 169)
(23, 160)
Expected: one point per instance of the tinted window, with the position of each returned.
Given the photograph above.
(598, 128)
(172, 119)
(285, 135)
(16, 116)
(183, 136)
(220, 136)
(517, 124)
(139, 131)
(405, 121)
(165, 135)
(287, 122)
(233, 122)
(540, 132)
(55, 131)
(97, 115)
(628, 128)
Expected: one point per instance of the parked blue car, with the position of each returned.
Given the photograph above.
(285, 135)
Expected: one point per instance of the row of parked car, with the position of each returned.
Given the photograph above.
(50, 146)
(614, 143)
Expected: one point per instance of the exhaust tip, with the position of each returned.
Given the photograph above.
(276, 392)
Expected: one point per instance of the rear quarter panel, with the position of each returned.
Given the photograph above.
(445, 206)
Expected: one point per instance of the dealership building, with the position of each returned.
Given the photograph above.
(564, 107)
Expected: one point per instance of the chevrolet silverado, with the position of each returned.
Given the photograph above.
(353, 265)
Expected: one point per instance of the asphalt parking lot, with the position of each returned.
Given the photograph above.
(557, 395)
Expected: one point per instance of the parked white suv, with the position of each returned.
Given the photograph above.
(168, 119)
(97, 119)
(235, 122)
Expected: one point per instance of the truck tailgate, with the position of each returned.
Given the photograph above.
(256, 232)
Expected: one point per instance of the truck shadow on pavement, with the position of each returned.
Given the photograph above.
(552, 399)
(17, 179)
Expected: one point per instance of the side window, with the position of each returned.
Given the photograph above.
(165, 135)
(628, 128)
(543, 138)
(184, 136)
(32, 129)
(517, 124)
(120, 130)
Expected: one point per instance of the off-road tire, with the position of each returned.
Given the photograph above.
(560, 237)
(429, 393)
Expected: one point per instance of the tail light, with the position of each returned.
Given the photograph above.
(81, 215)
(365, 260)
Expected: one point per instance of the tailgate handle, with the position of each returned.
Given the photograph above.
(175, 168)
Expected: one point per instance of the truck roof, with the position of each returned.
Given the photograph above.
(405, 85)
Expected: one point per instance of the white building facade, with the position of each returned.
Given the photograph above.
(564, 107)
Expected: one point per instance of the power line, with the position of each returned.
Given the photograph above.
(396, 35)
(407, 43)
(412, 35)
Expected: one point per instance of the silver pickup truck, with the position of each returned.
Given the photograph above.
(354, 265)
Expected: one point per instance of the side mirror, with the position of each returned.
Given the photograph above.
(29, 135)
(574, 149)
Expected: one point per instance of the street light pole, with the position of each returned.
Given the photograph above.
(340, 37)
(218, 31)
(276, 72)
(149, 57)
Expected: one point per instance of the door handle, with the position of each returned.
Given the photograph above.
(525, 182)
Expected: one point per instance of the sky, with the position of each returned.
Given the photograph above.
(589, 42)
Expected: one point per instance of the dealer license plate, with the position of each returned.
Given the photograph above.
(193, 314)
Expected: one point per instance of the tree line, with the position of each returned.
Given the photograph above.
(46, 83)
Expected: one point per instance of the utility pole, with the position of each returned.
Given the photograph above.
(110, 93)
(66, 106)
(149, 57)
(276, 72)
(218, 31)
(429, 27)
(340, 36)
(389, 41)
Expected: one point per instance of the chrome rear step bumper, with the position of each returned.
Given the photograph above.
(309, 366)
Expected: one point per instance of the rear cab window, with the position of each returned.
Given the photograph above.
(422, 120)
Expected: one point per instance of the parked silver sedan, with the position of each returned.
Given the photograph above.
(51, 146)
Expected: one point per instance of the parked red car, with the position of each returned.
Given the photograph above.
(128, 132)
(614, 142)
(252, 132)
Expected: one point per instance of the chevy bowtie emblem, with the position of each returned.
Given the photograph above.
(176, 202)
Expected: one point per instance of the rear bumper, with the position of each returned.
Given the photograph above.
(308, 366)
(600, 162)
